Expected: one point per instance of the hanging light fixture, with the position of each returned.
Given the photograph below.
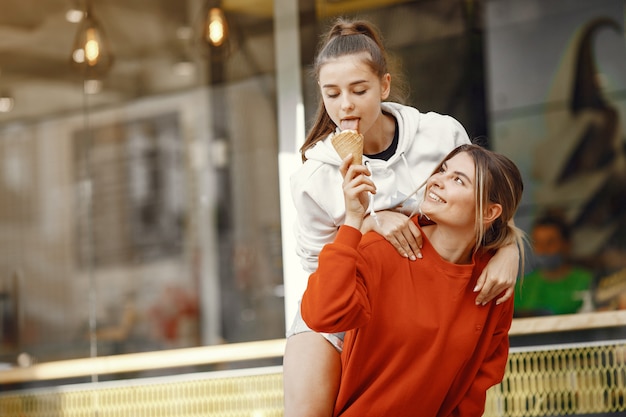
(215, 31)
(91, 53)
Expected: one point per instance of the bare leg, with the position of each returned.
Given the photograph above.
(311, 374)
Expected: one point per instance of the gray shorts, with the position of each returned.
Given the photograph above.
(299, 326)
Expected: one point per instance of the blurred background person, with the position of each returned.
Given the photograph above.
(555, 285)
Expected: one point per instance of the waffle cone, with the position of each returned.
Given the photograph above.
(349, 142)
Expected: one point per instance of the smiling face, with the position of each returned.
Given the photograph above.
(352, 92)
(450, 196)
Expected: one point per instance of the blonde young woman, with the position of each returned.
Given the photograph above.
(416, 343)
(401, 147)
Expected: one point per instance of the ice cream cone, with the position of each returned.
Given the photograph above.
(349, 142)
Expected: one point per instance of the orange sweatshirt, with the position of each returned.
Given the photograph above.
(417, 344)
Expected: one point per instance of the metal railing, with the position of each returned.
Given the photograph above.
(567, 379)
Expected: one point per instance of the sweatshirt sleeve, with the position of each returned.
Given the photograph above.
(336, 296)
(492, 369)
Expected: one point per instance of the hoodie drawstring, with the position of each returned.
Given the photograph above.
(416, 188)
(371, 210)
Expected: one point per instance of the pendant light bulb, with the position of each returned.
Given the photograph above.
(91, 53)
(216, 27)
(92, 47)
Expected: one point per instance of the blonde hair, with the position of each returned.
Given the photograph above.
(498, 180)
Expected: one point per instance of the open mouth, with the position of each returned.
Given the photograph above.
(349, 124)
(435, 197)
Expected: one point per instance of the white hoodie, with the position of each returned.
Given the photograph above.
(316, 187)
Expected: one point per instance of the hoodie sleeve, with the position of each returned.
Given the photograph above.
(314, 195)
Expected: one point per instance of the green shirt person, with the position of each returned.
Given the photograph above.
(555, 286)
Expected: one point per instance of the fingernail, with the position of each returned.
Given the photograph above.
(419, 255)
(412, 257)
(476, 288)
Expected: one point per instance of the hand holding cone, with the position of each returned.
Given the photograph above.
(349, 142)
